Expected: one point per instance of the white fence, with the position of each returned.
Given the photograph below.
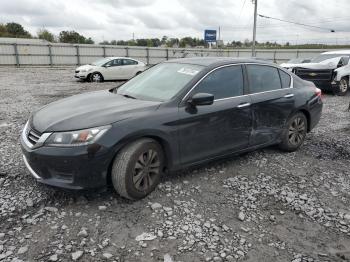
(66, 54)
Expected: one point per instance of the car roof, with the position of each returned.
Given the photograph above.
(121, 57)
(341, 52)
(217, 61)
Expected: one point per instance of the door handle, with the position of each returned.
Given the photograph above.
(243, 105)
(289, 96)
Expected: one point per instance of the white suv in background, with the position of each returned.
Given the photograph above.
(329, 71)
(110, 68)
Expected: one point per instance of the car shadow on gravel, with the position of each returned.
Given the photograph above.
(212, 167)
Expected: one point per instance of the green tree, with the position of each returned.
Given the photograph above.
(155, 42)
(17, 30)
(3, 30)
(131, 42)
(164, 40)
(73, 37)
(89, 41)
(122, 42)
(46, 35)
(189, 41)
(172, 41)
(141, 42)
(149, 42)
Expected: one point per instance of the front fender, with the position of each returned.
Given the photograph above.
(341, 72)
(166, 140)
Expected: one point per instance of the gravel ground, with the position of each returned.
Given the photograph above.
(262, 206)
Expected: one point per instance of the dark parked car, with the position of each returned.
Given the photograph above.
(176, 114)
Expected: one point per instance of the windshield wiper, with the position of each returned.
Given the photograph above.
(128, 96)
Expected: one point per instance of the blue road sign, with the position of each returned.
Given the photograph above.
(210, 35)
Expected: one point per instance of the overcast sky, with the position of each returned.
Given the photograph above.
(119, 19)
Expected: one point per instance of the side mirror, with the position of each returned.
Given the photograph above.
(201, 99)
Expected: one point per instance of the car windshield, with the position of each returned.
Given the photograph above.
(101, 62)
(161, 82)
(321, 58)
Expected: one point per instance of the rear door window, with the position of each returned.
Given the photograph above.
(285, 79)
(223, 83)
(263, 78)
(129, 62)
(114, 62)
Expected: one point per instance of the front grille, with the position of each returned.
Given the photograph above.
(33, 136)
(314, 74)
(77, 71)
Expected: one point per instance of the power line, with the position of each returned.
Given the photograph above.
(279, 24)
(240, 12)
(276, 26)
(296, 23)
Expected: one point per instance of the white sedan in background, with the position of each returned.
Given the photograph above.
(110, 68)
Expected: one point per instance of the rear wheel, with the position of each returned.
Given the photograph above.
(294, 133)
(343, 86)
(137, 169)
(96, 77)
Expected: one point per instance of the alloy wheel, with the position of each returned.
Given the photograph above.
(343, 86)
(296, 131)
(96, 78)
(147, 167)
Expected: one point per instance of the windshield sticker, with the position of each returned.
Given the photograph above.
(188, 71)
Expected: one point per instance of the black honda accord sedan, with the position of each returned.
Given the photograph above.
(176, 114)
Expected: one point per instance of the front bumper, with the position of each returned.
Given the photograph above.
(323, 85)
(322, 78)
(81, 75)
(82, 167)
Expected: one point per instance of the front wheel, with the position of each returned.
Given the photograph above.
(343, 86)
(294, 133)
(137, 169)
(96, 77)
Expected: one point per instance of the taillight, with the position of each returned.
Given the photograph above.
(318, 92)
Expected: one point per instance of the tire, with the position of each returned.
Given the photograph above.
(137, 169)
(343, 86)
(294, 132)
(139, 72)
(96, 77)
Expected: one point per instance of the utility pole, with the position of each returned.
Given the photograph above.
(254, 28)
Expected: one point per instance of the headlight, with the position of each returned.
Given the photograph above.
(76, 138)
(85, 70)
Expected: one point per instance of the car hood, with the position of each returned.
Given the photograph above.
(85, 67)
(288, 65)
(88, 110)
(326, 64)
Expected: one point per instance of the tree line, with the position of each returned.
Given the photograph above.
(156, 42)
(17, 30)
